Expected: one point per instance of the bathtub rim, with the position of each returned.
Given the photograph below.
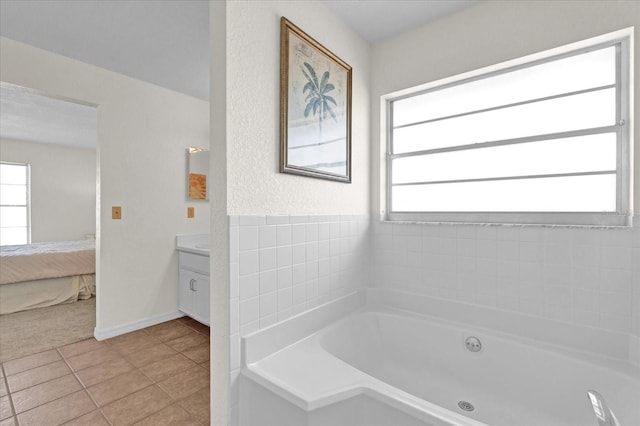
(610, 344)
(350, 306)
(614, 365)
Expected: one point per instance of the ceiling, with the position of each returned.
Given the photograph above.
(32, 117)
(166, 42)
(377, 20)
(163, 42)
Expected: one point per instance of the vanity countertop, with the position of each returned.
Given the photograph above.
(195, 243)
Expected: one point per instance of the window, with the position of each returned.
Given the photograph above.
(14, 204)
(543, 141)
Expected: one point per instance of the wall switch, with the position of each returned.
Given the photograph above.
(116, 212)
(191, 212)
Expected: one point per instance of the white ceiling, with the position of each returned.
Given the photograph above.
(32, 117)
(164, 42)
(376, 20)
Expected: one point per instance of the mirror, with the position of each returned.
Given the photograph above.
(198, 164)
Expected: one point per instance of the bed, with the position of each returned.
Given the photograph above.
(45, 274)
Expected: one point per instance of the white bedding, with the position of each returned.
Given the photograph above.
(26, 295)
(46, 260)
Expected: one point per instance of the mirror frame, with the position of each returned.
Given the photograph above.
(196, 178)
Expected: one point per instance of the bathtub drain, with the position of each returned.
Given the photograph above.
(466, 406)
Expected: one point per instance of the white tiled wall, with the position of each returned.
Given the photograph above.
(587, 276)
(285, 265)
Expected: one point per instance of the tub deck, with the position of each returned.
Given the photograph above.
(319, 370)
(311, 378)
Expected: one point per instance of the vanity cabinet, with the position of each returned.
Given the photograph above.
(194, 286)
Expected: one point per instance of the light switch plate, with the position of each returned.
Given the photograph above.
(116, 212)
(191, 212)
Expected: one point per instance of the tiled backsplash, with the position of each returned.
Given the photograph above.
(586, 276)
(285, 265)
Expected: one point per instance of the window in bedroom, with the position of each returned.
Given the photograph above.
(545, 140)
(14, 204)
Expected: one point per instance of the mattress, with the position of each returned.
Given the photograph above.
(26, 295)
(46, 260)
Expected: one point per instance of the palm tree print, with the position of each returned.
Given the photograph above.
(317, 100)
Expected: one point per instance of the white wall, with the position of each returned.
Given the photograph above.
(63, 188)
(143, 134)
(584, 276)
(253, 76)
(255, 188)
(486, 34)
(219, 261)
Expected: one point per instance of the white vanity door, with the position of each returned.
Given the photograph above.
(194, 295)
(201, 286)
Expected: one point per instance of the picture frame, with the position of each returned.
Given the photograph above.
(315, 108)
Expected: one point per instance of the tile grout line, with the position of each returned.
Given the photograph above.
(84, 388)
(198, 330)
(153, 381)
(6, 383)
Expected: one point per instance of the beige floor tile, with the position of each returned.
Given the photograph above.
(94, 418)
(11, 421)
(5, 408)
(89, 359)
(118, 387)
(81, 347)
(101, 372)
(198, 353)
(58, 411)
(126, 338)
(163, 369)
(150, 355)
(186, 383)
(201, 328)
(136, 406)
(187, 341)
(37, 375)
(173, 415)
(3, 387)
(32, 361)
(198, 406)
(136, 345)
(168, 331)
(34, 396)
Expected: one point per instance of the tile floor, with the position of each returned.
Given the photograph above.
(155, 376)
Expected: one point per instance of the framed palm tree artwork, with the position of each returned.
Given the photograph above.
(315, 108)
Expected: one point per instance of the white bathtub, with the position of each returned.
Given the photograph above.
(402, 368)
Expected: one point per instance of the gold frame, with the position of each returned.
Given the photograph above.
(286, 29)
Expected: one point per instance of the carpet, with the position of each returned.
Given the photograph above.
(29, 332)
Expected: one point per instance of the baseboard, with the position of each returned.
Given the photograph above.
(102, 334)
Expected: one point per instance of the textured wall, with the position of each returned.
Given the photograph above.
(254, 185)
(253, 76)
